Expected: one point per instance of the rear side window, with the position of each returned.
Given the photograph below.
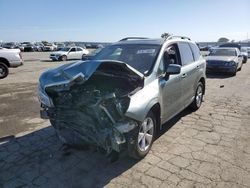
(79, 49)
(186, 53)
(195, 51)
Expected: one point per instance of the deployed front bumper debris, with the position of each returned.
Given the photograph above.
(91, 112)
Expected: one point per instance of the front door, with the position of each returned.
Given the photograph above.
(170, 87)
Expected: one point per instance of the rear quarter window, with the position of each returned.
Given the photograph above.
(186, 53)
(195, 51)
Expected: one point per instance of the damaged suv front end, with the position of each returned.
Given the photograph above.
(87, 101)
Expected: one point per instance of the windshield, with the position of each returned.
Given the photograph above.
(223, 52)
(64, 49)
(139, 56)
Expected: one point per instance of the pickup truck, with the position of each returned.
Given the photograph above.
(9, 58)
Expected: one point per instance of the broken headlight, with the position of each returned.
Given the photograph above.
(43, 97)
(122, 105)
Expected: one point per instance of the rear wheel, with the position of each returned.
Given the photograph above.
(4, 71)
(144, 138)
(240, 67)
(198, 97)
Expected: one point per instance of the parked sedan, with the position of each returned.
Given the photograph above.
(28, 47)
(69, 53)
(228, 60)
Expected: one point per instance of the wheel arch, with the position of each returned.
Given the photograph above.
(5, 61)
(156, 110)
(203, 81)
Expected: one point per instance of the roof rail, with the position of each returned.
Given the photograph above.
(182, 37)
(132, 38)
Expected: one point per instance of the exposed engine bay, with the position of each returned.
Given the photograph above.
(92, 112)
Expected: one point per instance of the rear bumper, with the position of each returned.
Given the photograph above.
(14, 64)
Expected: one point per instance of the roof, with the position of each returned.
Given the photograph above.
(159, 41)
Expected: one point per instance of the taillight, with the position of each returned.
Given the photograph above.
(20, 54)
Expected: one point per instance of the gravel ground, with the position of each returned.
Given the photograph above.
(206, 148)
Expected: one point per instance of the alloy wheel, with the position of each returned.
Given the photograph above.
(199, 95)
(145, 136)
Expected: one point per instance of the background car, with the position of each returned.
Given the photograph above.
(244, 53)
(50, 47)
(10, 45)
(28, 47)
(227, 60)
(9, 58)
(91, 55)
(66, 53)
(38, 46)
(231, 45)
(59, 45)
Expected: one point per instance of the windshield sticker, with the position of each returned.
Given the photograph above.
(146, 51)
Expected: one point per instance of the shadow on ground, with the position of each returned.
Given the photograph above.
(39, 159)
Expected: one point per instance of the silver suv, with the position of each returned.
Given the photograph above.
(124, 94)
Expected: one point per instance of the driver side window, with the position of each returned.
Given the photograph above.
(172, 57)
(73, 50)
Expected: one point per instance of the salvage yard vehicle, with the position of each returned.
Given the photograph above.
(9, 58)
(49, 47)
(121, 98)
(66, 53)
(226, 60)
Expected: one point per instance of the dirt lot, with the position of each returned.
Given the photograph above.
(207, 148)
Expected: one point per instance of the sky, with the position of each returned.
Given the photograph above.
(111, 20)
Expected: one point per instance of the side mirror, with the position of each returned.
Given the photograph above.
(173, 69)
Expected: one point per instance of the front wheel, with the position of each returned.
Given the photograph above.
(196, 104)
(4, 71)
(144, 138)
(64, 58)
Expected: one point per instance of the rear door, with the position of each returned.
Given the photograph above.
(79, 53)
(189, 71)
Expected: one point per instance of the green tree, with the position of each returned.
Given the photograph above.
(223, 39)
(165, 35)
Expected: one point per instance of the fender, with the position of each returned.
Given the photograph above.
(142, 101)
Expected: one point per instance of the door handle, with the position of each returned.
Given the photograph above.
(198, 66)
(184, 75)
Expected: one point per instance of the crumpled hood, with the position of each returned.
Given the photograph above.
(81, 71)
(220, 58)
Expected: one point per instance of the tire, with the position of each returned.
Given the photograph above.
(64, 58)
(240, 67)
(196, 104)
(4, 71)
(83, 56)
(143, 140)
(235, 72)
